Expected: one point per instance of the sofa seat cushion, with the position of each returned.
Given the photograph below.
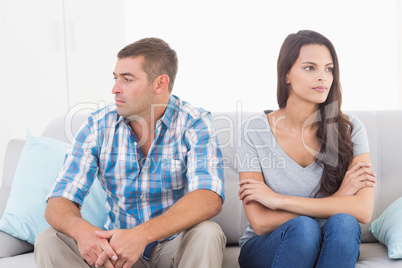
(374, 255)
(25, 260)
(11, 246)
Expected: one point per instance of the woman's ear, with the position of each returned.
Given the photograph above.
(161, 84)
(287, 81)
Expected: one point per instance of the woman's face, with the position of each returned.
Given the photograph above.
(310, 77)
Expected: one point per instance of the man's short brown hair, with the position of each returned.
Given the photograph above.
(159, 58)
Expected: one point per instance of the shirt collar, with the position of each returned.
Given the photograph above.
(171, 111)
(121, 119)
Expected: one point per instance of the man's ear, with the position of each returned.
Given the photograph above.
(161, 84)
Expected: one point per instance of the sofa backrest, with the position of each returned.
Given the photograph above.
(384, 129)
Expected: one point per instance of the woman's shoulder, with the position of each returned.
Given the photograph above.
(350, 117)
(359, 135)
(255, 121)
(356, 123)
(255, 129)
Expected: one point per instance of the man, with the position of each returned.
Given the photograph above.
(158, 161)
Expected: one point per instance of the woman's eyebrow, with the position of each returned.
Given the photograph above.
(309, 62)
(313, 63)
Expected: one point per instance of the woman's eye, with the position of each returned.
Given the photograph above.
(309, 68)
(329, 69)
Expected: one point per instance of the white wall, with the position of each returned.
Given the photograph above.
(228, 49)
(399, 29)
(55, 55)
(32, 67)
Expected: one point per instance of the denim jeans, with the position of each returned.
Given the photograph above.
(300, 242)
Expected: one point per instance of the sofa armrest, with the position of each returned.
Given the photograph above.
(13, 152)
(11, 246)
(4, 193)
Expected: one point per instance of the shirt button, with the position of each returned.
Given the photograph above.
(135, 143)
(141, 197)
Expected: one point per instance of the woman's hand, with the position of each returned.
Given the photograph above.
(359, 176)
(258, 191)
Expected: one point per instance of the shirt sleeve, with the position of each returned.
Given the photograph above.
(204, 159)
(80, 166)
(359, 137)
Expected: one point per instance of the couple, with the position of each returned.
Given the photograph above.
(158, 213)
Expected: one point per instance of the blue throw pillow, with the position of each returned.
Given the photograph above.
(40, 161)
(388, 229)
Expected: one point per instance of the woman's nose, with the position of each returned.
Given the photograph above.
(322, 76)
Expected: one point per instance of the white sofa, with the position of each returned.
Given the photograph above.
(384, 130)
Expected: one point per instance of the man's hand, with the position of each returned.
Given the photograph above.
(64, 216)
(91, 247)
(128, 244)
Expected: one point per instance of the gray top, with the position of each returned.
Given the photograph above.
(258, 151)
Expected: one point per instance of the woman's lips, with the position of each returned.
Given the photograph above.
(320, 89)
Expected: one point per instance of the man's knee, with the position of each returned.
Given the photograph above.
(45, 245)
(207, 231)
(201, 246)
(43, 238)
(53, 247)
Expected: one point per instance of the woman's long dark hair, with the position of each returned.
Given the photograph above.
(334, 131)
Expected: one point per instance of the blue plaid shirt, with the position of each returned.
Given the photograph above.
(184, 157)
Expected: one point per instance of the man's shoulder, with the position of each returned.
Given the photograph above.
(107, 113)
(190, 112)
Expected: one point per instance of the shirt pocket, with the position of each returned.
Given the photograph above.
(173, 174)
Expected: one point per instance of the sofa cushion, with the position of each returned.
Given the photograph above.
(388, 229)
(24, 260)
(41, 160)
(232, 219)
(374, 255)
(11, 246)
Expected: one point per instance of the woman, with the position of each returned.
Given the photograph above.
(305, 173)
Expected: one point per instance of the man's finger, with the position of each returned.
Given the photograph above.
(107, 248)
(108, 264)
(90, 258)
(103, 257)
(104, 234)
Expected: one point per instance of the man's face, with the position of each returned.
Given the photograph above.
(133, 92)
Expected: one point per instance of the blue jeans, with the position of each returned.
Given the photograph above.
(300, 242)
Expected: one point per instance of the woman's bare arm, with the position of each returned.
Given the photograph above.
(266, 210)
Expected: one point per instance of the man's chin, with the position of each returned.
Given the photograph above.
(129, 116)
(122, 113)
